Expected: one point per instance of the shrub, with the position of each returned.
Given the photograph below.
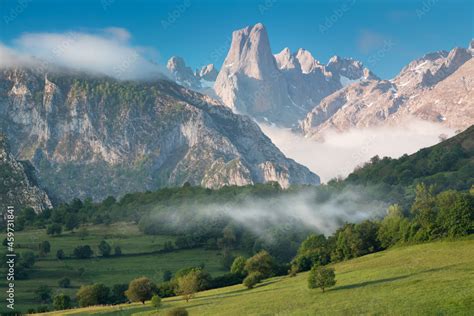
(188, 285)
(62, 301)
(261, 262)
(252, 279)
(64, 283)
(83, 252)
(54, 229)
(104, 248)
(321, 277)
(156, 301)
(177, 311)
(238, 266)
(60, 254)
(43, 294)
(93, 295)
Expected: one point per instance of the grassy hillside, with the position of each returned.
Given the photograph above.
(140, 256)
(426, 279)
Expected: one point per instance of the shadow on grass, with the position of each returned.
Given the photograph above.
(380, 281)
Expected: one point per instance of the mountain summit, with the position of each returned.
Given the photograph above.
(279, 88)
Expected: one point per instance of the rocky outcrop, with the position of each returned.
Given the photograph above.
(436, 87)
(18, 186)
(208, 73)
(97, 136)
(249, 81)
(182, 74)
(279, 88)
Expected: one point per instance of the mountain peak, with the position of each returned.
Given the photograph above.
(306, 60)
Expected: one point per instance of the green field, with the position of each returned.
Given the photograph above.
(140, 258)
(427, 279)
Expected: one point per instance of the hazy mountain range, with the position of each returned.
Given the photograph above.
(91, 135)
(296, 90)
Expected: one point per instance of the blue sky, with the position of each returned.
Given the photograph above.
(385, 35)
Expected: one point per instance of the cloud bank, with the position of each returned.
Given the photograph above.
(340, 153)
(107, 51)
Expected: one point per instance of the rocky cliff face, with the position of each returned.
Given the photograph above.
(437, 87)
(17, 183)
(279, 88)
(96, 136)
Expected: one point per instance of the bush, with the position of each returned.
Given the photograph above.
(93, 295)
(238, 266)
(62, 301)
(321, 277)
(60, 254)
(83, 252)
(64, 283)
(177, 311)
(43, 294)
(118, 293)
(104, 248)
(188, 284)
(54, 229)
(117, 251)
(252, 279)
(167, 275)
(156, 301)
(262, 262)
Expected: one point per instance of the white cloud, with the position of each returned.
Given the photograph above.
(107, 52)
(118, 33)
(340, 153)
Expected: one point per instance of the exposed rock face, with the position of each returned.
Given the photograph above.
(437, 87)
(182, 74)
(17, 183)
(208, 73)
(96, 136)
(249, 81)
(280, 88)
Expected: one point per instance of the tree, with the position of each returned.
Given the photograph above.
(60, 254)
(27, 259)
(252, 279)
(104, 248)
(64, 283)
(321, 277)
(261, 262)
(423, 209)
(156, 301)
(62, 301)
(167, 275)
(44, 248)
(118, 293)
(455, 213)
(227, 259)
(203, 277)
(83, 252)
(72, 221)
(54, 229)
(93, 294)
(117, 251)
(188, 285)
(140, 290)
(43, 294)
(313, 250)
(238, 266)
(389, 231)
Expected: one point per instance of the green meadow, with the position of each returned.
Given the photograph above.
(426, 279)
